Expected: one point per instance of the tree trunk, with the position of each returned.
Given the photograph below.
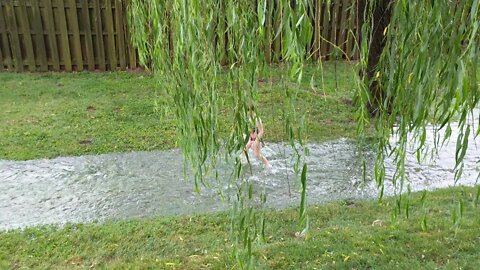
(381, 16)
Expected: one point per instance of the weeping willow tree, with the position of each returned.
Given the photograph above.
(419, 64)
(188, 44)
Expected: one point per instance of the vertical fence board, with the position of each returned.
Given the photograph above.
(41, 51)
(1, 59)
(268, 32)
(2, 30)
(132, 53)
(316, 30)
(310, 5)
(112, 54)
(334, 37)
(14, 39)
(100, 48)
(325, 31)
(277, 45)
(72, 18)
(27, 35)
(349, 31)
(88, 35)
(62, 22)
(1, 55)
(222, 34)
(52, 35)
(120, 33)
(7, 56)
(357, 29)
(342, 33)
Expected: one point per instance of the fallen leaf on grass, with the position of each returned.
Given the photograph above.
(377, 222)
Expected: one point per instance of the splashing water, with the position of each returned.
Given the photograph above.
(147, 184)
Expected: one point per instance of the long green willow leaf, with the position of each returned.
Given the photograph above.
(427, 74)
(188, 44)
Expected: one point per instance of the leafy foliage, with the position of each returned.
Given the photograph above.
(428, 74)
(179, 41)
(431, 55)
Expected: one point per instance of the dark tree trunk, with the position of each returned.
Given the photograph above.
(382, 13)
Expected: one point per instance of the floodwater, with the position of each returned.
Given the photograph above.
(147, 184)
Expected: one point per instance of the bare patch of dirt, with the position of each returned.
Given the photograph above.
(86, 142)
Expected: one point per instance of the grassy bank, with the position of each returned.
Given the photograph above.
(49, 115)
(343, 236)
(53, 114)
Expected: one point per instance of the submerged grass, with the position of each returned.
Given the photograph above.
(343, 235)
(51, 114)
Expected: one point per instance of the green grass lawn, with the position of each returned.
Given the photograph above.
(53, 114)
(356, 235)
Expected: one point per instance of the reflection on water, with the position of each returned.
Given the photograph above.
(143, 184)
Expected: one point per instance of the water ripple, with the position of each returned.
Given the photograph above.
(145, 184)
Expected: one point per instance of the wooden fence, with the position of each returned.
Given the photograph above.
(70, 35)
(76, 35)
(336, 29)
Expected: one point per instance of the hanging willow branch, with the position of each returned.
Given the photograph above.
(427, 73)
(187, 44)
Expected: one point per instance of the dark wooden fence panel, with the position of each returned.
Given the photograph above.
(76, 35)
(5, 54)
(65, 35)
(334, 30)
